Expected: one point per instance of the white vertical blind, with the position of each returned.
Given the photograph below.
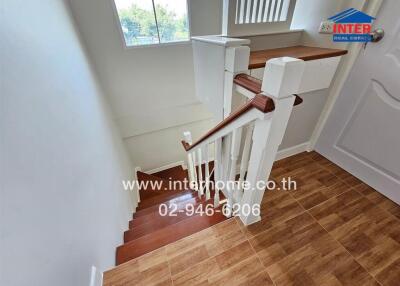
(261, 11)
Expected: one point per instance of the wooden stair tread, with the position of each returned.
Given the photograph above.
(149, 231)
(154, 213)
(152, 181)
(164, 236)
(176, 173)
(258, 58)
(157, 222)
(188, 196)
(163, 197)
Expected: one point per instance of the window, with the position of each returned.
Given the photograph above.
(256, 17)
(149, 22)
(261, 11)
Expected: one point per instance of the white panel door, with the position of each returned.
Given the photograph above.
(362, 134)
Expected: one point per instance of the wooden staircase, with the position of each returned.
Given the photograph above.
(148, 230)
(244, 143)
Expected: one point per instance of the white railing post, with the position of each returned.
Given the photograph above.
(236, 61)
(282, 78)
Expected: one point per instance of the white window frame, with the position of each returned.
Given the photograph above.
(119, 27)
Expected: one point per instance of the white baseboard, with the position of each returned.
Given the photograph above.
(165, 167)
(280, 155)
(291, 151)
(137, 190)
(96, 277)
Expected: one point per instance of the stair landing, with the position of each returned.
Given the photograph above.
(259, 58)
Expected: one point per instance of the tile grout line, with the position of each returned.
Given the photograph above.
(330, 235)
(353, 188)
(211, 257)
(382, 209)
(307, 211)
(258, 257)
(248, 237)
(169, 266)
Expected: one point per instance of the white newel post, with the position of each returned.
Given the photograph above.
(281, 80)
(209, 57)
(236, 61)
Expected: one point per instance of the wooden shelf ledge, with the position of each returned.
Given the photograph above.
(258, 58)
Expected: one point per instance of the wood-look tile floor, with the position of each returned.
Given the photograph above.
(332, 230)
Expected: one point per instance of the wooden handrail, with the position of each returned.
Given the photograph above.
(261, 102)
(248, 82)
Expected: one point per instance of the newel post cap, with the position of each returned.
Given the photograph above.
(282, 76)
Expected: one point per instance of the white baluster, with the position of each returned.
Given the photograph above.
(244, 162)
(207, 172)
(196, 185)
(217, 169)
(200, 173)
(190, 169)
(226, 162)
(226, 156)
(235, 148)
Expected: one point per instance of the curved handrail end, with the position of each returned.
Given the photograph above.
(185, 145)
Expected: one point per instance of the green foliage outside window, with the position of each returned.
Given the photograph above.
(139, 26)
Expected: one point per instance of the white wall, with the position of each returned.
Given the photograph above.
(150, 89)
(164, 146)
(308, 15)
(62, 161)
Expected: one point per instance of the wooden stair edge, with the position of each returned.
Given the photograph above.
(143, 176)
(174, 173)
(180, 205)
(259, 58)
(156, 200)
(146, 211)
